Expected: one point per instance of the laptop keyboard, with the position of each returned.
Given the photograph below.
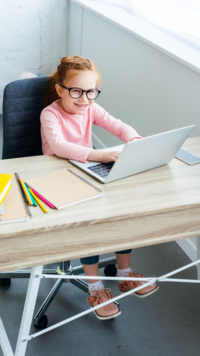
(102, 169)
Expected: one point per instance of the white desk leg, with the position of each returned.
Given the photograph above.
(198, 257)
(28, 311)
(4, 342)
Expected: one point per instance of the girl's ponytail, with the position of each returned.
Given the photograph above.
(67, 67)
(50, 94)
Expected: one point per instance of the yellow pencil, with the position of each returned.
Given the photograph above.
(25, 192)
(38, 201)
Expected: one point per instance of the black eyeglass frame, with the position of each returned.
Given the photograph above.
(83, 91)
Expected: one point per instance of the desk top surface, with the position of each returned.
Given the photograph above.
(173, 187)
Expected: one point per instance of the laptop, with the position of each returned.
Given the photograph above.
(138, 156)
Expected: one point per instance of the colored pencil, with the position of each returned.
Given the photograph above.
(38, 201)
(25, 192)
(33, 200)
(41, 197)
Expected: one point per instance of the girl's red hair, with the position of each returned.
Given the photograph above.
(68, 66)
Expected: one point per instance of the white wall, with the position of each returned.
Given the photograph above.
(141, 85)
(33, 37)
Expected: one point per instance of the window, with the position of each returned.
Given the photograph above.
(180, 18)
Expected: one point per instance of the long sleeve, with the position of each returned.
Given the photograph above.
(53, 136)
(70, 135)
(116, 127)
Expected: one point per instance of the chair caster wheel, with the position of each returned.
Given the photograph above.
(5, 282)
(110, 270)
(42, 323)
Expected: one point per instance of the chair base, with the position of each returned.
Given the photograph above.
(40, 319)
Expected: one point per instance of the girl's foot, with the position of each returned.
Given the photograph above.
(109, 311)
(126, 286)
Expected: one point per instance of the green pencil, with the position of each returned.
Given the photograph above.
(31, 197)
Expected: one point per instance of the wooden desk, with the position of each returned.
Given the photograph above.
(153, 207)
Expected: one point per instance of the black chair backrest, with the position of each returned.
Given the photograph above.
(22, 105)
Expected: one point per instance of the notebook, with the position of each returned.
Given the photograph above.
(64, 188)
(15, 207)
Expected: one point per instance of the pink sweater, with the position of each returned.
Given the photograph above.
(69, 135)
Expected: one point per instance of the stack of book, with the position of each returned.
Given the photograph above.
(1, 211)
(5, 186)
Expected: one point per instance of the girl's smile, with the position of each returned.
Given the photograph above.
(82, 106)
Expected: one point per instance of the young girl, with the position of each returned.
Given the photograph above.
(66, 126)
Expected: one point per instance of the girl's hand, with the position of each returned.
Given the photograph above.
(134, 139)
(102, 156)
(110, 156)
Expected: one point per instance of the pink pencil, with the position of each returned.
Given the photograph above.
(42, 198)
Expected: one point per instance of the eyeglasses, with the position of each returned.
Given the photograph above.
(76, 93)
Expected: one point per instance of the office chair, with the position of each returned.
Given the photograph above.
(22, 105)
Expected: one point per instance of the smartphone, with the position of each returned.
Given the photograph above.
(187, 157)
